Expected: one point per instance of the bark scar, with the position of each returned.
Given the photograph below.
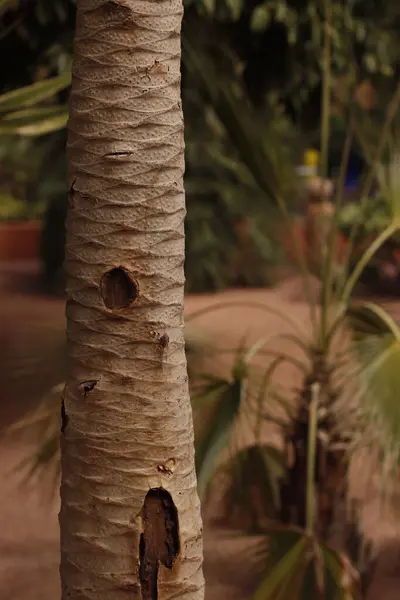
(71, 199)
(64, 416)
(163, 340)
(167, 468)
(87, 386)
(159, 542)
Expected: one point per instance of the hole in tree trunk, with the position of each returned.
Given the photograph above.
(118, 288)
(159, 542)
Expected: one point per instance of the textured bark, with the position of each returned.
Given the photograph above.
(130, 516)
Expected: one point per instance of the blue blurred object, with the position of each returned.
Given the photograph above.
(354, 172)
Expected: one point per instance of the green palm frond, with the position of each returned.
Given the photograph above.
(284, 566)
(389, 183)
(42, 426)
(377, 348)
(369, 319)
(21, 113)
(226, 396)
(298, 567)
(34, 93)
(240, 400)
(34, 121)
(247, 399)
(252, 497)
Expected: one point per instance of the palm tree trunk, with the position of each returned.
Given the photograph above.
(130, 516)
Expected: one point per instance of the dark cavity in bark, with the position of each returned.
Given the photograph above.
(159, 542)
(118, 288)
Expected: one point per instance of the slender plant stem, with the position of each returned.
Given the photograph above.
(325, 129)
(311, 457)
(330, 259)
(326, 89)
(365, 259)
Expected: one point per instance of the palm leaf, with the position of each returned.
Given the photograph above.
(253, 471)
(284, 566)
(298, 567)
(33, 94)
(389, 180)
(252, 495)
(377, 348)
(226, 397)
(43, 462)
(369, 319)
(34, 121)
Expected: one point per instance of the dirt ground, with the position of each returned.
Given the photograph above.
(28, 523)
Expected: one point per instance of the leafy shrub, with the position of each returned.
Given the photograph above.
(12, 209)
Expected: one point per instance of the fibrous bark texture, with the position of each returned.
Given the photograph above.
(130, 517)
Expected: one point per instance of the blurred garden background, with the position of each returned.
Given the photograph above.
(293, 208)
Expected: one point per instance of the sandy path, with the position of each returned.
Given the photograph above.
(28, 526)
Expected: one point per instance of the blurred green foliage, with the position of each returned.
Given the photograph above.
(26, 111)
(372, 218)
(12, 209)
(268, 53)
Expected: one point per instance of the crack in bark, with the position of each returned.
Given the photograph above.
(159, 542)
(120, 153)
(64, 416)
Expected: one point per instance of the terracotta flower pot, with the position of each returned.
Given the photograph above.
(20, 240)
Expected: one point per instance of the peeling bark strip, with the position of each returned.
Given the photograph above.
(159, 542)
(124, 265)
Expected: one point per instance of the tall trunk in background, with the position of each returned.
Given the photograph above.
(130, 516)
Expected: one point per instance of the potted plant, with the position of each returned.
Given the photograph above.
(369, 218)
(304, 240)
(20, 229)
